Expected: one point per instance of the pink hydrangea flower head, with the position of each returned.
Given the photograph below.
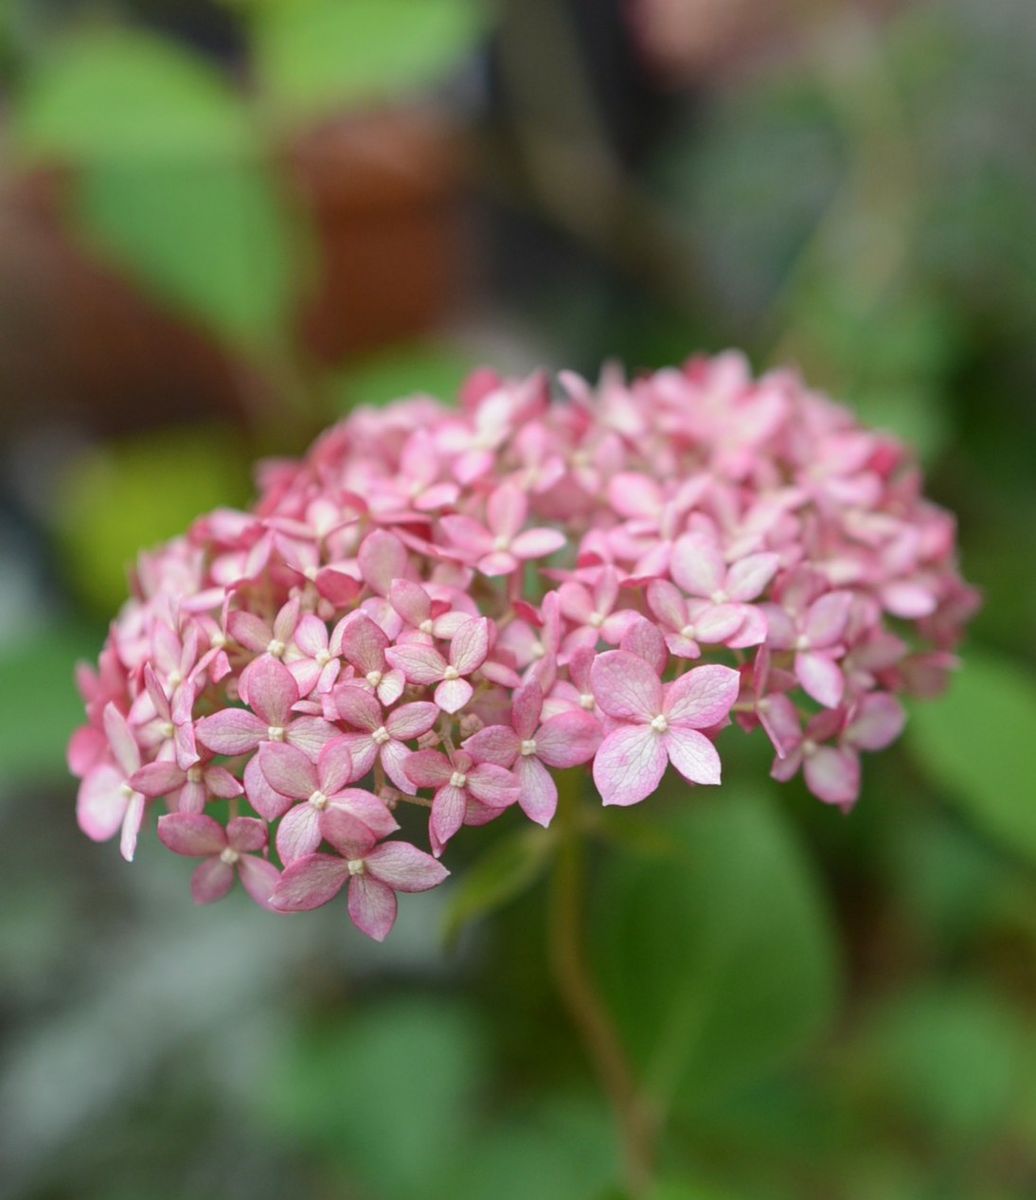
(444, 606)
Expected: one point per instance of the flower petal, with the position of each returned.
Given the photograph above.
(568, 739)
(232, 731)
(702, 697)
(269, 689)
(288, 770)
(537, 791)
(625, 686)
(309, 883)
(259, 878)
(298, 833)
(820, 678)
(101, 803)
(404, 867)
(211, 881)
(697, 565)
(693, 755)
(193, 834)
(452, 694)
(629, 764)
(372, 906)
(470, 645)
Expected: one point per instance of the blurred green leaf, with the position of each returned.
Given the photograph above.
(388, 1094)
(116, 499)
(210, 239)
(123, 95)
(722, 965)
(945, 1058)
(39, 703)
(510, 866)
(316, 55)
(409, 370)
(976, 743)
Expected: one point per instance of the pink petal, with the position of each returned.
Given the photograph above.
(428, 768)
(693, 755)
(825, 622)
(372, 906)
(364, 643)
(702, 696)
(249, 631)
(718, 622)
(506, 510)
(350, 836)
(363, 750)
(500, 562)
(394, 757)
(448, 807)
(121, 740)
(231, 731)
(833, 776)
(211, 881)
(266, 801)
(629, 764)
(382, 560)
(311, 635)
(877, 722)
(568, 739)
(493, 785)
(157, 779)
(537, 791)
(419, 663)
(220, 782)
(495, 744)
(753, 628)
(288, 770)
(470, 645)
(467, 535)
(310, 735)
(335, 766)
(259, 878)
(405, 868)
(452, 694)
(411, 601)
(365, 807)
(246, 835)
(644, 639)
(358, 707)
(820, 678)
(411, 720)
(391, 686)
(298, 833)
(101, 803)
(625, 686)
(309, 883)
(192, 834)
(748, 577)
(131, 824)
(697, 565)
(537, 543)
(269, 689)
(526, 706)
(667, 603)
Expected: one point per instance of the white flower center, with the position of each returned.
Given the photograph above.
(762, 705)
(311, 573)
(802, 642)
(318, 800)
(659, 724)
(501, 543)
(175, 679)
(586, 700)
(595, 619)
(451, 673)
(275, 647)
(194, 774)
(427, 626)
(458, 779)
(228, 856)
(275, 733)
(125, 789)
(167, 729)
(322, 658)
(381, 735)
(719, 596)
(357, 866)
(688, 632)
(373, 678)
(218, 640)
(529, 746)
(809, 747)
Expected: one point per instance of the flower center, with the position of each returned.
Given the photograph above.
(357, 866)
(319, 801)
(451, 673)
(501, 543)
(228, 856)
(322, 658)
(218, 640)
(458, 779)
(311, 573)
(275, 647)
(529, 746)
(194, 774)
(373, 678)
(586, 700)
(175, 679)
(659, 724)
(595, 619)
(167, 729)
(719, 596)
(275, 733)
(688, 632)
(125, 789)
(426, 626)
(802, 642)
(381, 735)
(809, 747)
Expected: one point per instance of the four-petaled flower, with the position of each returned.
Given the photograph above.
(501, 545)
(423, 664)
(234, 850)
(459, 784)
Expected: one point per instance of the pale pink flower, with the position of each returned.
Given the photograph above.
(226, 852)
(529, 748)
(456, 784)
(363, 644)
(424, 665)
(500, 546)
(374, 875)
(107, 801)
(593, 611)
(188, 790)
(815, 635)
(380, 737)
(698, 567)
(657, 724)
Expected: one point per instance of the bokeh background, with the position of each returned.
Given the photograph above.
(222, 225)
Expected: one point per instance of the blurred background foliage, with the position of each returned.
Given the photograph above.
(222, 225)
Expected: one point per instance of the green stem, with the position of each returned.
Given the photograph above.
(585, 1006)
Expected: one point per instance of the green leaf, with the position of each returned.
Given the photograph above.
(39, 703)
(976, 742)
(122, 95)
(117, 499)
(722, 965)
(209, 239)
(511, 866)
(315, 55)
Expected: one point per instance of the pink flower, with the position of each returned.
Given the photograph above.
(188, 790)
(382, 738)
(235, 849)
(374, 875)
(424, 665)
(107, 801)
(592, 611)
(502, 547)
(656, 724)
(457, 784)
(698, 567)
(364, 645)
(320, 786)
(814, 635)
(529, 748)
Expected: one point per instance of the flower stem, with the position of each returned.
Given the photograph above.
(585, 1006)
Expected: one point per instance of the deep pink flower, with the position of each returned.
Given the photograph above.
(422, 664)
(657, 724)
(236, 849)
(456, 784)
(380, 737)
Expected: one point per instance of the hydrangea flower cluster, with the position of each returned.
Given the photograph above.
(443, 606)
